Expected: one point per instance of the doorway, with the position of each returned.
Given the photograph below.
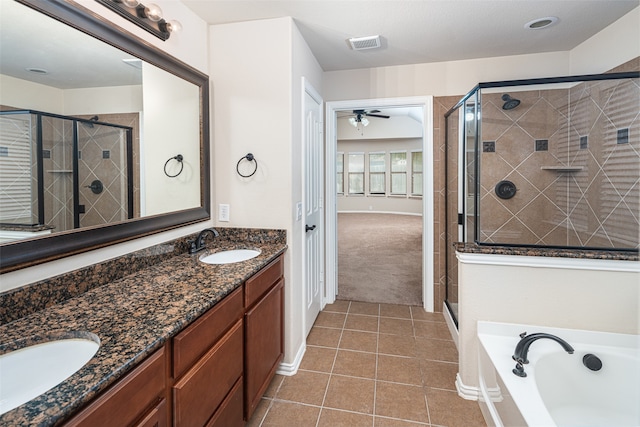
(426, 106)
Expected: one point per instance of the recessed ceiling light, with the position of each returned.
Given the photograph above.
(37, 70)
(540, 23)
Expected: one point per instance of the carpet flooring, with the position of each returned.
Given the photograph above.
(380, 258)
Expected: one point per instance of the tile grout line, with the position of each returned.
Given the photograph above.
(335, 357)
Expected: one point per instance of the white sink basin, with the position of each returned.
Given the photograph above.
(29, 372)
(229, 257)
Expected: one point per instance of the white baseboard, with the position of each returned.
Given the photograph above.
(466, 392)
(290, 369)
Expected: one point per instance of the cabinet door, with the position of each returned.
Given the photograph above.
(264, 345)
(199, 392)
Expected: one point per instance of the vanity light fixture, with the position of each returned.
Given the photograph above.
(148, 17)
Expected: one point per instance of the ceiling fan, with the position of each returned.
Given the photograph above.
(360, 116)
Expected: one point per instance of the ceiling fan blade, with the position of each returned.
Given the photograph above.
(382, 116)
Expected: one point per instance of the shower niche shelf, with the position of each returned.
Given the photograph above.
(562, 168)
(60, 171)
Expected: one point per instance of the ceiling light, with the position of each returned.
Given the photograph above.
(540, 23)
(361, 43)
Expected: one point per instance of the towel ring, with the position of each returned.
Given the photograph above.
(250, 158)
(179, 159)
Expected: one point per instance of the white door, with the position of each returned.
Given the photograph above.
(313, 209)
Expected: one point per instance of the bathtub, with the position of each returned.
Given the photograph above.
(559, 390)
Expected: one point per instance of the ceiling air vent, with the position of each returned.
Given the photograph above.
(361, 43)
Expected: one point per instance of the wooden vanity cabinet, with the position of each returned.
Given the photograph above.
(138, 399)
(264, 331)
(207, 367)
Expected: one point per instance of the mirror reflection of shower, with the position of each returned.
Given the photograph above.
(48, 165)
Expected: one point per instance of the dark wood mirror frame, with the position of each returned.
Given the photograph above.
(21, 254)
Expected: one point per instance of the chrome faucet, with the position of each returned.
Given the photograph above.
(198, 244)
(522, 349)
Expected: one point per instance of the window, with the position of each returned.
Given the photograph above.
(399, 173)
(356, 173)
(340, 173)
(377, 169)
(416, 173)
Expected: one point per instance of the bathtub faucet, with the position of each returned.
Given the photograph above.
(522, 349)
(198, 244)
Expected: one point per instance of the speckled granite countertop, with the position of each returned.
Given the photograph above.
(133, 316)
(472, 248)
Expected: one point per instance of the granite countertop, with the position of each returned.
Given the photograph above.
(473, 248)
(132, 316)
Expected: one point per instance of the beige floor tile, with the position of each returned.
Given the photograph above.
(397, 345)
(390, 422)
(330, 320)
(287, 414)
(355, 364)
(405, 370)
(334, 418)
(274, 385)
(442, 350)
(401, 401)
(340, 306)
(361, 341)
(396, 326)
(418, 313)
(360, 322)
(304, 387)
(259, 413)
(350, 394)
(364, 308)
(434, 330)
(395, 310)
(439, 374)
(318, 359)
(448, 409)
(325, 337)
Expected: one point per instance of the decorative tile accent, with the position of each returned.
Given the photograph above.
(46, 154)
(542, 144)
(488, 146)
(623, 136)
(584, 142)
(106, 154)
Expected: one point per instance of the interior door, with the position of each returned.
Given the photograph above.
(313, 207)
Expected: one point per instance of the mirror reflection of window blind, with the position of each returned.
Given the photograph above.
(15, 169)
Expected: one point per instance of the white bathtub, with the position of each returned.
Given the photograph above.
(559, 390)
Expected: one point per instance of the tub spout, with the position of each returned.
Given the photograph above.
(522, 349)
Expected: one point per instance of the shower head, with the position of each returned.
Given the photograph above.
(89, 124)
(509, 102)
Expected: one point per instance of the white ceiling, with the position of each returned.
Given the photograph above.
(423, 31)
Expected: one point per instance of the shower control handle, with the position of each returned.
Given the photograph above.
(96, 186)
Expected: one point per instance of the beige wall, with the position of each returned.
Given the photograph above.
(257, 87)
(564, 296)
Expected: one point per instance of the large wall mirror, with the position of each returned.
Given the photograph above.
(103, 137)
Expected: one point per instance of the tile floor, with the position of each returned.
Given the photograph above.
(379, 365)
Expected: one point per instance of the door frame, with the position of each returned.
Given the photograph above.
(331, 210)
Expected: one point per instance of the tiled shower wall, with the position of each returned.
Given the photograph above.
(590, 130)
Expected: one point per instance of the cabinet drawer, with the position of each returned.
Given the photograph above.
(260, 283)
(129, 398)
(229, 413)
(200, 336)
(157, 417)
(202, 388)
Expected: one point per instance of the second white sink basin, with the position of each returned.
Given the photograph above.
(29, 372)
(229, 257)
